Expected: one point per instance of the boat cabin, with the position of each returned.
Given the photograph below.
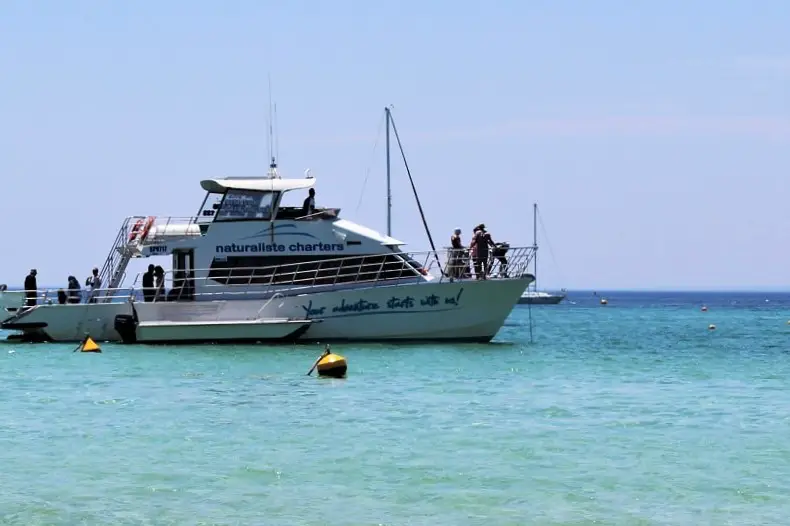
(244, 236)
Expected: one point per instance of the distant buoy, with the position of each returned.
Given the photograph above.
(711, 327)
(88, 345)
(704, 308)
(604, 301)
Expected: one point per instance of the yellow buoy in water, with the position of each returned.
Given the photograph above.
(88, 345)
(330, 364)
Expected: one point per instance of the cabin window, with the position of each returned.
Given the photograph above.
(306, 270)
(246, 204)
(209, 207)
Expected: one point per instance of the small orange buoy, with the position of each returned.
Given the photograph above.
(332, 365)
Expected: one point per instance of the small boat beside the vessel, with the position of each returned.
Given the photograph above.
(532, 297)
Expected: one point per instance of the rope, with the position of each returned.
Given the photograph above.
(370, 164)
(414, 189)
(551, 251)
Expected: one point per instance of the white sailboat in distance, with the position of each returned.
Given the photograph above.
(532, 296)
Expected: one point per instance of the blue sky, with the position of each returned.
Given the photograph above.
(655, 137)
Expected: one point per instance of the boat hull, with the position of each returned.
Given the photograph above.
(11, 301)
(459, 311)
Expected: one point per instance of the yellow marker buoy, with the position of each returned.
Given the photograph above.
(88, 345)
(329, 364)
(711, 327)
(332, 365)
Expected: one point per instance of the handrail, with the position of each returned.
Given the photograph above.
(328, 274)
(274, 296)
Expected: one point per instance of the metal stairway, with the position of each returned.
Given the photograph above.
(113, 271)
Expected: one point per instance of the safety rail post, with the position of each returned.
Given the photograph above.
(403, 264)
(337, 274)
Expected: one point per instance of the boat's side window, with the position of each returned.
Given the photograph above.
(308, 271)
(246, 204)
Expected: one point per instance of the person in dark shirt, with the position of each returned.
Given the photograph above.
(480, 244)
(148, 285)
(30, 288)
(74, 290)
(159, 283)
(308, 207)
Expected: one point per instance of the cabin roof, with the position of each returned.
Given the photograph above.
(261, 184)
(354, 228)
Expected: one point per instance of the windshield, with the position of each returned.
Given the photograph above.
(246, 204)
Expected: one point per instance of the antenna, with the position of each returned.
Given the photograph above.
(271, 145)
(276, 135)
(389, 188)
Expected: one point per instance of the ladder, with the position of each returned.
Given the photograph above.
(113, 271)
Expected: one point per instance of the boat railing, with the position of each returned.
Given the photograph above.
(329, 274)
(51, 296)
(312, 276)
(152, 230)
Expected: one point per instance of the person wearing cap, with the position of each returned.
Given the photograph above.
(30, 288)
(481, 241)
(455, 262)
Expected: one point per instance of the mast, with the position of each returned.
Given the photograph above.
(272, 173)
(535, 242)
(411, 180)
(389, 189)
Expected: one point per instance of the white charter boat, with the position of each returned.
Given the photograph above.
(247, 268)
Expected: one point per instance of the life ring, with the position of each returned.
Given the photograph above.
(146, 228)
(135, 229)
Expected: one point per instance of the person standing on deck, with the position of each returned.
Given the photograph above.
(482, 242)
(456, 254)
(159, 283)
(94, 284)
(148, 285)
(308, 207)
(74, 290)
(30, 288)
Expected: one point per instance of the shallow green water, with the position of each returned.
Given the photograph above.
(615, 415)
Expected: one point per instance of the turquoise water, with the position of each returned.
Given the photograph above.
(632, 413)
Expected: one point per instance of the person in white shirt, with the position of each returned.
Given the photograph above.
(94, 284)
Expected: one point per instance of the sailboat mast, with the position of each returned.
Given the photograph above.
(535, 242)
(389, 189)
